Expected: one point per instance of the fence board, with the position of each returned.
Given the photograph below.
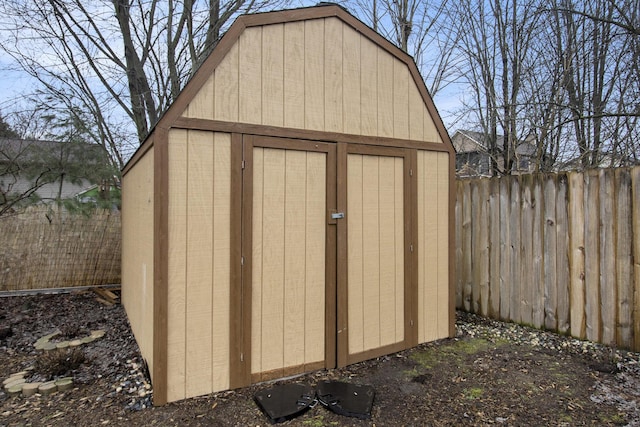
(550, 266)
(494, 248)
(476, 252)
(607, 258)
(514, 245)
(562, 257)
(624, 258)
(635, 238)
(559, 251)
(481, 265)
(466, 246)
(526, 252)
(458, 250)
(505, 251)
(576, 254)
(591, 253)
(537, 271)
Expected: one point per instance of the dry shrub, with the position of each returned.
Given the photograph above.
(59, 362)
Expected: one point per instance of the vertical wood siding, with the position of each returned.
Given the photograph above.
(199, 245)
(568, 257)
(319, 74)
(432, 245)
(289, 231)
(375, 223)
(137, 253)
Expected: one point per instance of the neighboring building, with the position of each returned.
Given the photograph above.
(48, 170)
(608, 159)
(472, 155)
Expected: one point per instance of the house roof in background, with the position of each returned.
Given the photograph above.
(34, 150)
(468, 141)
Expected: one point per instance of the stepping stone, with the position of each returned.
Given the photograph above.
(97, 334)
(47, 388)
(64, 384)
(75, 343)
(17, 381)
(87, 340)
(63, 344)
(49, 346)
(29, 389)
(14, 389)
(13, 378)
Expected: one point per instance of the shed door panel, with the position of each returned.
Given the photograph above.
(376, 275)
(288, 261)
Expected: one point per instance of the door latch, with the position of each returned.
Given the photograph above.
(334, 216)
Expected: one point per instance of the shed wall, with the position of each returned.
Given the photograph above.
(199, 198)
(137, 252)
(319, 74)
(433, 245)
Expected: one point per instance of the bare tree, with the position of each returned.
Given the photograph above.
(496, 39)
(122, 61)
(559, 75)
(596, 77)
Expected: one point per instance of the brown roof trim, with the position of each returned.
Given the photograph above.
(194, 85)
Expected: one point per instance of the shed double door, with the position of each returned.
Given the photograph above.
(324, 237)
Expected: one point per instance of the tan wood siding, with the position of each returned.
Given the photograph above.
(288, 259)
(137, 253)
(433, 246)
(375, 223)
(319, 74)
(199, 270)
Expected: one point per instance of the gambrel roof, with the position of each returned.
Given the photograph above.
(318, 69)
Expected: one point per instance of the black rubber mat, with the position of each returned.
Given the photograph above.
(352, 400)
(284, 402)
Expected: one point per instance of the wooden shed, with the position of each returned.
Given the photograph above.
(291, 211)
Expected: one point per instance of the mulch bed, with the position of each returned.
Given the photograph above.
(491, 373)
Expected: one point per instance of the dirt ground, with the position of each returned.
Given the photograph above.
(491, 373)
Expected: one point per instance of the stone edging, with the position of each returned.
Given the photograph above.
(16, 383)
(44, 343)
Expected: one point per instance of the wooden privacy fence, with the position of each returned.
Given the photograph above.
(555, 251)
(42, 248)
